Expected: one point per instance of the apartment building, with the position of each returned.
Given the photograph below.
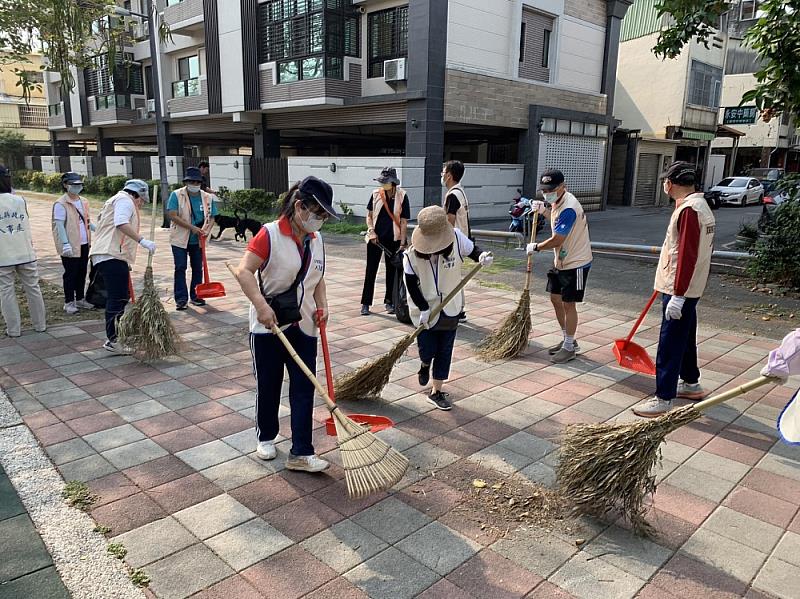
(520, 83)
(28, 117)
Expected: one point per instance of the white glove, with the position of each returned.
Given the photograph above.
(674, 309)
(538, 206)
(66, 251)
(423, 318)
(485, 259)
(532, 247)
(150, 246)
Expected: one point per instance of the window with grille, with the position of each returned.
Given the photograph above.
(705, 84)
(534, 45)
(125, 79)
(748, 10)
(308, 39)
(33, 117)
(388, 37)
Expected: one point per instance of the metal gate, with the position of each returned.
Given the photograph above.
(270, 174)
(581, 159)
(98, 166)
(646, 180)
(141, 167)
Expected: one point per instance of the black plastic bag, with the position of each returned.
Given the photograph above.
(96, 293)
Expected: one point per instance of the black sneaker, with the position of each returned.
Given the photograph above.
(424, 374)
(439, 399)
(198, 302)
(180, 306)
(462, 317)
(364, 310)
(389, 308)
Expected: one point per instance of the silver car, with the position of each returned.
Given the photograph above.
(740, 191)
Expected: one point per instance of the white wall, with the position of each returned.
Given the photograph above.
(230, 43)
(479, 35)
(50, 164)
(580, 54)
(491, 187)
(758, 135)
(375, 86)
(81, 165)
(174, 172)
(119, 165)
(232, 172)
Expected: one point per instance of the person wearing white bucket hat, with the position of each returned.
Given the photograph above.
(783, 363)
(432, 267)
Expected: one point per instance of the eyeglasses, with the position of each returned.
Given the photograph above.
(317, 210)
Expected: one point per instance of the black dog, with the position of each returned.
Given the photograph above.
(225, 222)
(246, 224)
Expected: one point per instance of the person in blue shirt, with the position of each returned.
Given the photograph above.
(191, 212)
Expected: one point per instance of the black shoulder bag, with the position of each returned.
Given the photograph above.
(284, 304)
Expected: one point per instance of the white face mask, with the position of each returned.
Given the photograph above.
(193, 188)
(313, 223)
(551, 197)
(75, 189)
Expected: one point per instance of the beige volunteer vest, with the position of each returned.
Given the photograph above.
(179, 236)
(72, 225)
(379, 202)
(576, 251)
(668, 261)
(16, 241)
(280, 271)
(462, 216)
(108, 240)
(438, 276)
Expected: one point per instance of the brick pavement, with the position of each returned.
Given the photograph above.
(168, 449)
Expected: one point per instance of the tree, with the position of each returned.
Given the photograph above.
(12, 147)
(774, 37)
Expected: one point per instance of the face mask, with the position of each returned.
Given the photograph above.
(193, 188)
(444, 183)
(551, 197)
(313, 223)
(74, 189)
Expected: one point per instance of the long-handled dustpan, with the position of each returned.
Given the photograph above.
(631, 355)
(371, 421)
(208, 289)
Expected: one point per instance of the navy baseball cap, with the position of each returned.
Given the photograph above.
(319, 190)
(70, 177)
(550, 179)
(193, 174)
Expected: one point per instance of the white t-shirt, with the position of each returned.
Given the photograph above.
(60, 213)
(123, 212)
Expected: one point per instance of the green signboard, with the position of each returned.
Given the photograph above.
(740, 115)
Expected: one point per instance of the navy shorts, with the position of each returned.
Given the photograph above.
(570, 283)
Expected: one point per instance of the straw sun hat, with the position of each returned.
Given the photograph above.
(433, 232)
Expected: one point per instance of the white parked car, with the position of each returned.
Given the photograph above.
(740, 191)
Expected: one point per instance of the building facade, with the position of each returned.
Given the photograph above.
(507, 82)
(27, 116)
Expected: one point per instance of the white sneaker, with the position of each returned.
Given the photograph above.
(266, 450)
(70, 308)
(115, 347)
(306, 463)
(652, 407)
(693, 391)
(84, 305)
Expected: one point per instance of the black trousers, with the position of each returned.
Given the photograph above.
(374, 254)
(75, 275)
(116, 275)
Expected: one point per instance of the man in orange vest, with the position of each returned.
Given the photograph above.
(387, 220)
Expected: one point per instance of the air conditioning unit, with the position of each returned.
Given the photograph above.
(151, 106)
(394, 70)
(141, 113)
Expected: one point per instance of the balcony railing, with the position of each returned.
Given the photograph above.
(112, 101)
(55, 109)
(186, 88)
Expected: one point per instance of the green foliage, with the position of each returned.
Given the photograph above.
(774, 38)
(252, 201)
(91, 185)
(103, 530)
(77, 495)
(748, 230)
(13, 148)
(346, 209)
(38, 181)
(139, 578)
(776, 254)
(117, 550)
(343, 227)
(113, 184)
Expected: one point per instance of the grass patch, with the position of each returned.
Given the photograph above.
(53, 296)
(103, 530)
(502, 264)
(495, 285)
(344, 227)
(77, 495)
(117, 550)
(139, 578)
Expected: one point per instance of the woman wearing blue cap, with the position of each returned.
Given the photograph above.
(282, 274)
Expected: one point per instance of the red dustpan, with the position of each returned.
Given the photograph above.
(208, 289)
(632, 355)
(374, 423)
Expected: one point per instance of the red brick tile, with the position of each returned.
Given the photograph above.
(158, 472)
(133, 369)
(683, 505)
(489, 429)
(106, 387)
(40, 419)
(204, 411)
(754, 594)
(89, 378)
(335, 496)
(226, 425)
(690, 436)
(467, 522)
(303, 518)
(110, 488)
(423, 427)
(339, 588)
(454, 418)
(266, 494)
(184, 492)
(525, 386)
(488, 574)
(560, 396)
(146, 378)
(775, 485)
(248, 382)
(583, 389)
(460, 442)
(55, 433)
(202, 379)
(30, 366)
(282, 576)
(36, 376)
(444, 589)
(235, 587)
(685, 577)
(651, 591)
(163, 423)
(79, 409)
(732, 450)
(472, 384)
(183, 438)
(763, 507)
(549, 379)
(795, 525)
(671, 531)
(96, 422)
(128, 513)
(547, 590)
(220, 390)
(431, 497)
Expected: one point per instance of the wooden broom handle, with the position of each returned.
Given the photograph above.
(152, 224)
(530, 256)
(736, 391)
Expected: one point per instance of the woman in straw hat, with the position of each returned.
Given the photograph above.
(432, 267)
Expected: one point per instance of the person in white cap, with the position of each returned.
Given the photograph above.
(113, 252)
(432, 267)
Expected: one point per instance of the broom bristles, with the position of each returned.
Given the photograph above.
(370, 464)
(146, 327)
(511, 338)
(608, 467)
(368, 381)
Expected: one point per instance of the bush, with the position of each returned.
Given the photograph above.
(53, 184)
(22, 179)
(113, 184)
(252, 201)
(776, 254)
(91, 185)
(38, 181)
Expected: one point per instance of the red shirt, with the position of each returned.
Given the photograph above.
(260, 246)
(688, 248)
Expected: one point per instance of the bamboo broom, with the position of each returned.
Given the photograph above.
(511, 338)
(606, 467)
(146, 327)
(369, 380)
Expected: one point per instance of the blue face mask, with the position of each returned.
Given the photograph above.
(75, 189)
(193, 188)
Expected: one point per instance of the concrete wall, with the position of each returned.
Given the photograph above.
(232, 172)
(174, 171)
(491, 187)
(480, 34)
(188, 9)
(757, 135)
(376, 86)
(190, 104)
(119, 165)
(81, 165)
(579, 54)
(50, 164)
(231, 56)
(311, 91)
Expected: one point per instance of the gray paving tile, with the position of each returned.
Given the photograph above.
(179, 371)
(497, 457)
(627, 551)
(86, 469)
(344, 545)
(213, 516)
(78, 368)
(240, 401)
(538, 407)
(700, 483)
(721, 467)
(207, 455)
(55, 385)
(141, 410)
(517, 418)
(154, 541)
(235, 473)
(540, 473)
(737, 560)
(23, 550)
(597, 578)
(186, 572)
(114, 437)
(427, 458)
(42, 584)
(788, 549)
(248, 543)
(122, 398)
(743, 529)
(64, 359)
(182, 400)
(398, 439)
(164, 389)
(391, 519)
(535, 552)
(134, 454)
(62, 398)
(244, 441)
(439, 548)
(790, 468)
(528, 445)
(778, 578)
(69, 451)
(392, 575)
